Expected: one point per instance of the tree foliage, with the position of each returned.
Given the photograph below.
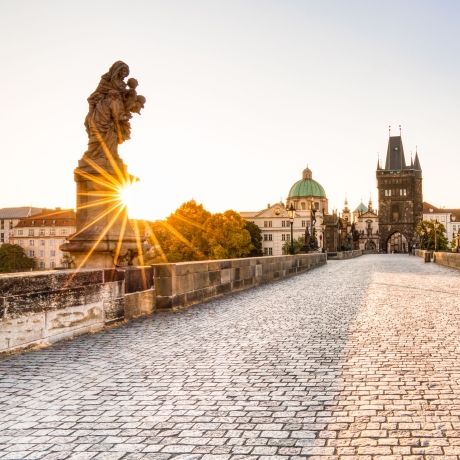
(256, 239)
(14, 259)
(193, 233)
(432, 235)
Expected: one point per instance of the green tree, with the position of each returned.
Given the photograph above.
(432, 235)
(14, 259)
(256, 239)
(298, 245)
(227, 236)
(192, 233)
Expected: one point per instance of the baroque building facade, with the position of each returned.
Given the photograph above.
(400, 198)
(9, 218)
(40, 236)
(310, 203)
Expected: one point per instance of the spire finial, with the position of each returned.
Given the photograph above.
(389, 130)
(399, 130)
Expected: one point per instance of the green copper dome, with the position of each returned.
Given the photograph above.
(307, 187)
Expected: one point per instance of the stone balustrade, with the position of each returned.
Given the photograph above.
(449, 259)
(183, 284)
(40, 308)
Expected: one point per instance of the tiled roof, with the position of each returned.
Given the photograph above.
(50, 218)
(18, 213)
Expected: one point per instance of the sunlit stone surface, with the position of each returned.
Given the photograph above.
(356, 358)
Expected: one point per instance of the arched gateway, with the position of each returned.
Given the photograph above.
(397, 243)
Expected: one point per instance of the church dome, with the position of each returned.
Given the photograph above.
(361, 208)
(307, 187)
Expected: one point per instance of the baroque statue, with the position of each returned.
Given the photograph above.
(111, 107)
(105, 238)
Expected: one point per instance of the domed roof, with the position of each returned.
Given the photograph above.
(361, 208)
(307, 187)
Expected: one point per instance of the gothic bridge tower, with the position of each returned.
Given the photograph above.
(400, 198)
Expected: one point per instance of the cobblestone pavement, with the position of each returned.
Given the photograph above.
(356, 359)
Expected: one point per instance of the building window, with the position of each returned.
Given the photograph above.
(20, 232)
(52, 242)
(31, 253)
(52, 231)
(52, 264)
(42, 253)
(266, 251)
(395, 213)
(42, 264)
(283, 223)
(304, 207)
(41, 232)
(63, 231)
(2, 224)
(52, 253)
(42, 242)
(31, 232)
(31, 242)
(2, 237)
(270, 251)
(304, 223)
(283, 237)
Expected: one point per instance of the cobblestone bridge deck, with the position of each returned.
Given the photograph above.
(356, 359)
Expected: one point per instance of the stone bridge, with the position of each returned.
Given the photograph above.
(358, 358)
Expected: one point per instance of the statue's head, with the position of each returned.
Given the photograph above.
(118, 70)
(139, 104)
(132, 83)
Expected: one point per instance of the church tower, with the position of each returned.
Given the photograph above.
(400, 198)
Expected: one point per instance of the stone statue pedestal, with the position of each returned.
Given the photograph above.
(104, 238)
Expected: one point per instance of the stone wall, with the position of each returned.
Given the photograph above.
(183, 284)
(40, 308)
(424, 254)
(449, 259)
(344, 254)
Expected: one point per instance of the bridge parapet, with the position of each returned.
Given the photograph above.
(39, 308)
(182, 284)
(449, 259)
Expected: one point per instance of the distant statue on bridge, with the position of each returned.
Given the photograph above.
(111, 107)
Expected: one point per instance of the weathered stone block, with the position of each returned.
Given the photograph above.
(225, 275)
(21, 332)
(114, 310)
(139, 304)
(200, 280)
(59, 322)
(163, 302)
(164, 286)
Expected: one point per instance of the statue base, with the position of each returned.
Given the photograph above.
(104, 238)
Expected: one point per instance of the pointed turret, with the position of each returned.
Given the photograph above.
(369, 206)
(395, 154)
(417, 163)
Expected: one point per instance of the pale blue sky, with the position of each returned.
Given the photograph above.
(241, 96)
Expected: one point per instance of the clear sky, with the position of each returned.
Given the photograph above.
(241, 96)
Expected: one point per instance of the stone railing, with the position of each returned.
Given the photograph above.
(183, 284)
(449, 259)
(40, 308)
(424, 254)
(340, 255)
